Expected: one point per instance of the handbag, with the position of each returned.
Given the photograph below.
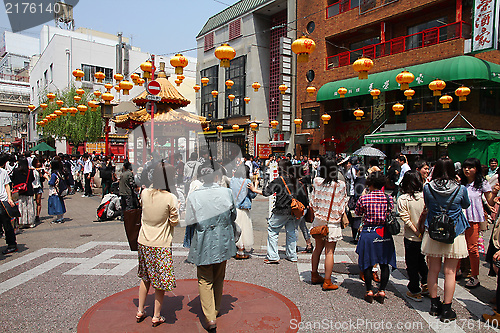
(132, 223)
(391, 222)
(441, 227)
(11, 211)
(322, 230)
(22, 187)
(297, 206)
(309, 216)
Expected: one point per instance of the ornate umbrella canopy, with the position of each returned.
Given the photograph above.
(369, 151)
(169, 96)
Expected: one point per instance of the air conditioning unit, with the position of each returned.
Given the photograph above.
(87, 85)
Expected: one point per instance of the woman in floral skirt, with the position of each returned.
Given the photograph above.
(159, 216)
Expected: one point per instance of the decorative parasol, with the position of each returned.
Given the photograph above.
(42, 147)
(369, 151)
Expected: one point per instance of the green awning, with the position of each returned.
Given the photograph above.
(450, 135)
(456, 68)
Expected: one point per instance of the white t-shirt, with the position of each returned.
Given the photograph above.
(4, 180)
(249, 164)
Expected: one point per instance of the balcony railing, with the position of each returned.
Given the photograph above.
(404, 43)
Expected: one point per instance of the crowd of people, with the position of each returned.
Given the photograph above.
(213, 202)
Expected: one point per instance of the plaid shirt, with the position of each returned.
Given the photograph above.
(373, 207)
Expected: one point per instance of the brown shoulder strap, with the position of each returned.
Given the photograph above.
(331, 202)
(286, 186)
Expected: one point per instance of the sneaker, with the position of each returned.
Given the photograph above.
(425, 290)
(472, 283)
(9, 250)
(84, 196)
(416, 297)
(54, 222)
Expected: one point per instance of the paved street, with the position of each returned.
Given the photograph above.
(62, 270)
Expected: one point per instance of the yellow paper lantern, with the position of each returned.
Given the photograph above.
(146, 67)
(51, 96)
(436, 86)
(58, 113)
(64, 110)
(179, 62)
(107, 97)
(236, 127)
(229, 84)
(204, 81)
(93, 105)
(375, 93)
(231, 97)
(397, 108)
(80, 91)
(311, 91)
(362, 66)
(82, 108)
(117, 88)
(462, 93)
(283, 88)
(78, 74)
(225, 54)
(409, 93)
(342, 91)
(73, 111)
(196, 88)
(220, 128)
(254, 126)
(256, 86)
(44, 106)
(108, 86)
(297, 122)
(59, 103)
(358, 113)
(31, 107)
(77, 98)
(446, 100)
(326, 117)
(303, 47)
(178, 82)
(135, 77)
(97, 93)
(246, 99)
(100, 76)
(404, 79)
(140, 82)
(215, 93)
(274, 123)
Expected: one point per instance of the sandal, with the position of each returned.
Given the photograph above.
(241, 256)
(308, 249)
(140, 316)
(380, 296)
(268, 261)
(369, 296)
(160, 320)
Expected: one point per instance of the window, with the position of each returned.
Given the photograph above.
(208, 102)
(337, 7)
(310, 118)
(51, 74)
(429, 37)
(209, 41)
(45, 78)
(490, 101)
(90, 70)
(235, 29)
(237, 74)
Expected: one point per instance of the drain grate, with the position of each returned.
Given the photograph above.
(86, 235)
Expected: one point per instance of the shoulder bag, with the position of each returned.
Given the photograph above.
(297, 206)
(22, 187)
(132, 223)
(322, 230)
(391, 222)
(441, 227)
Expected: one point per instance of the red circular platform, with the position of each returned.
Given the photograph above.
(245, 308)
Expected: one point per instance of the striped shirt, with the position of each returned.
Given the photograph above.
(373, 207)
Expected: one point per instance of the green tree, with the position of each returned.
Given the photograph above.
(76, 129)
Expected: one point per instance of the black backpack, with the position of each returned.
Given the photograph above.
(441, 227)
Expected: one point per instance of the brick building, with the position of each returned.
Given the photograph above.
(430, 38)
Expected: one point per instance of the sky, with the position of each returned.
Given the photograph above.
(156, 26)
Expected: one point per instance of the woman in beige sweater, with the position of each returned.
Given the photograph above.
(159, 216)
(410, 207)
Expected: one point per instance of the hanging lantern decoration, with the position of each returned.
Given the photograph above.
(107, 97)
(274, 123)
(302, 47)
(58, 113)
(311, 91)
(256, 86)
(404, 79)
(108, 86)
(31, 107)
(436, 86)
(64, 111)
(229, 84)
(225, 54)
(53, 116)
(82, 108)
(283, 88)
(215, 93)
(179, 62)
(78, 74)
(118, 77)
(409, 93)
(59, 103)
(77, 98)
(206, 129)
(220, 128)
(51, 96)
(97, 93)
(140, 81)
(254, 126)
(358, 114)
(297, 122)
(100, 76)
(462, 93)
(236, 127)
(93, 105)
(204, 81)
(135, 77)
(362, 66)
(80, 91)
(342, 91)
(181, 77)
(44, 106)
(446, 100)
(326, 117)
(117, 88)
(375, 93)
(231, 97)
(397, 108)
(73, 111)
(178, 82)
(246, 99)
(196, 88)
(126, 85)
(146, 67)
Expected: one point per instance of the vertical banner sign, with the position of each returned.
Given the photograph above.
(273, 170)
(484, 25)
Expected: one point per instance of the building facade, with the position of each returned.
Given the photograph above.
(261, 32)
(431, 39)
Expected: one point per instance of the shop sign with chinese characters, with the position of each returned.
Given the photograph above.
(484, 25)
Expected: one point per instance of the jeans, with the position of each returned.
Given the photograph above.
(303, 228)
(276, 222)
(416, 267)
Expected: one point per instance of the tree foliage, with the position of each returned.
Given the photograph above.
(76, 129)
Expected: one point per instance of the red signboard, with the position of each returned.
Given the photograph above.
(263, 150)
(154, 87)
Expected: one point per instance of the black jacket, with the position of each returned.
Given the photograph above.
(283, 199)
